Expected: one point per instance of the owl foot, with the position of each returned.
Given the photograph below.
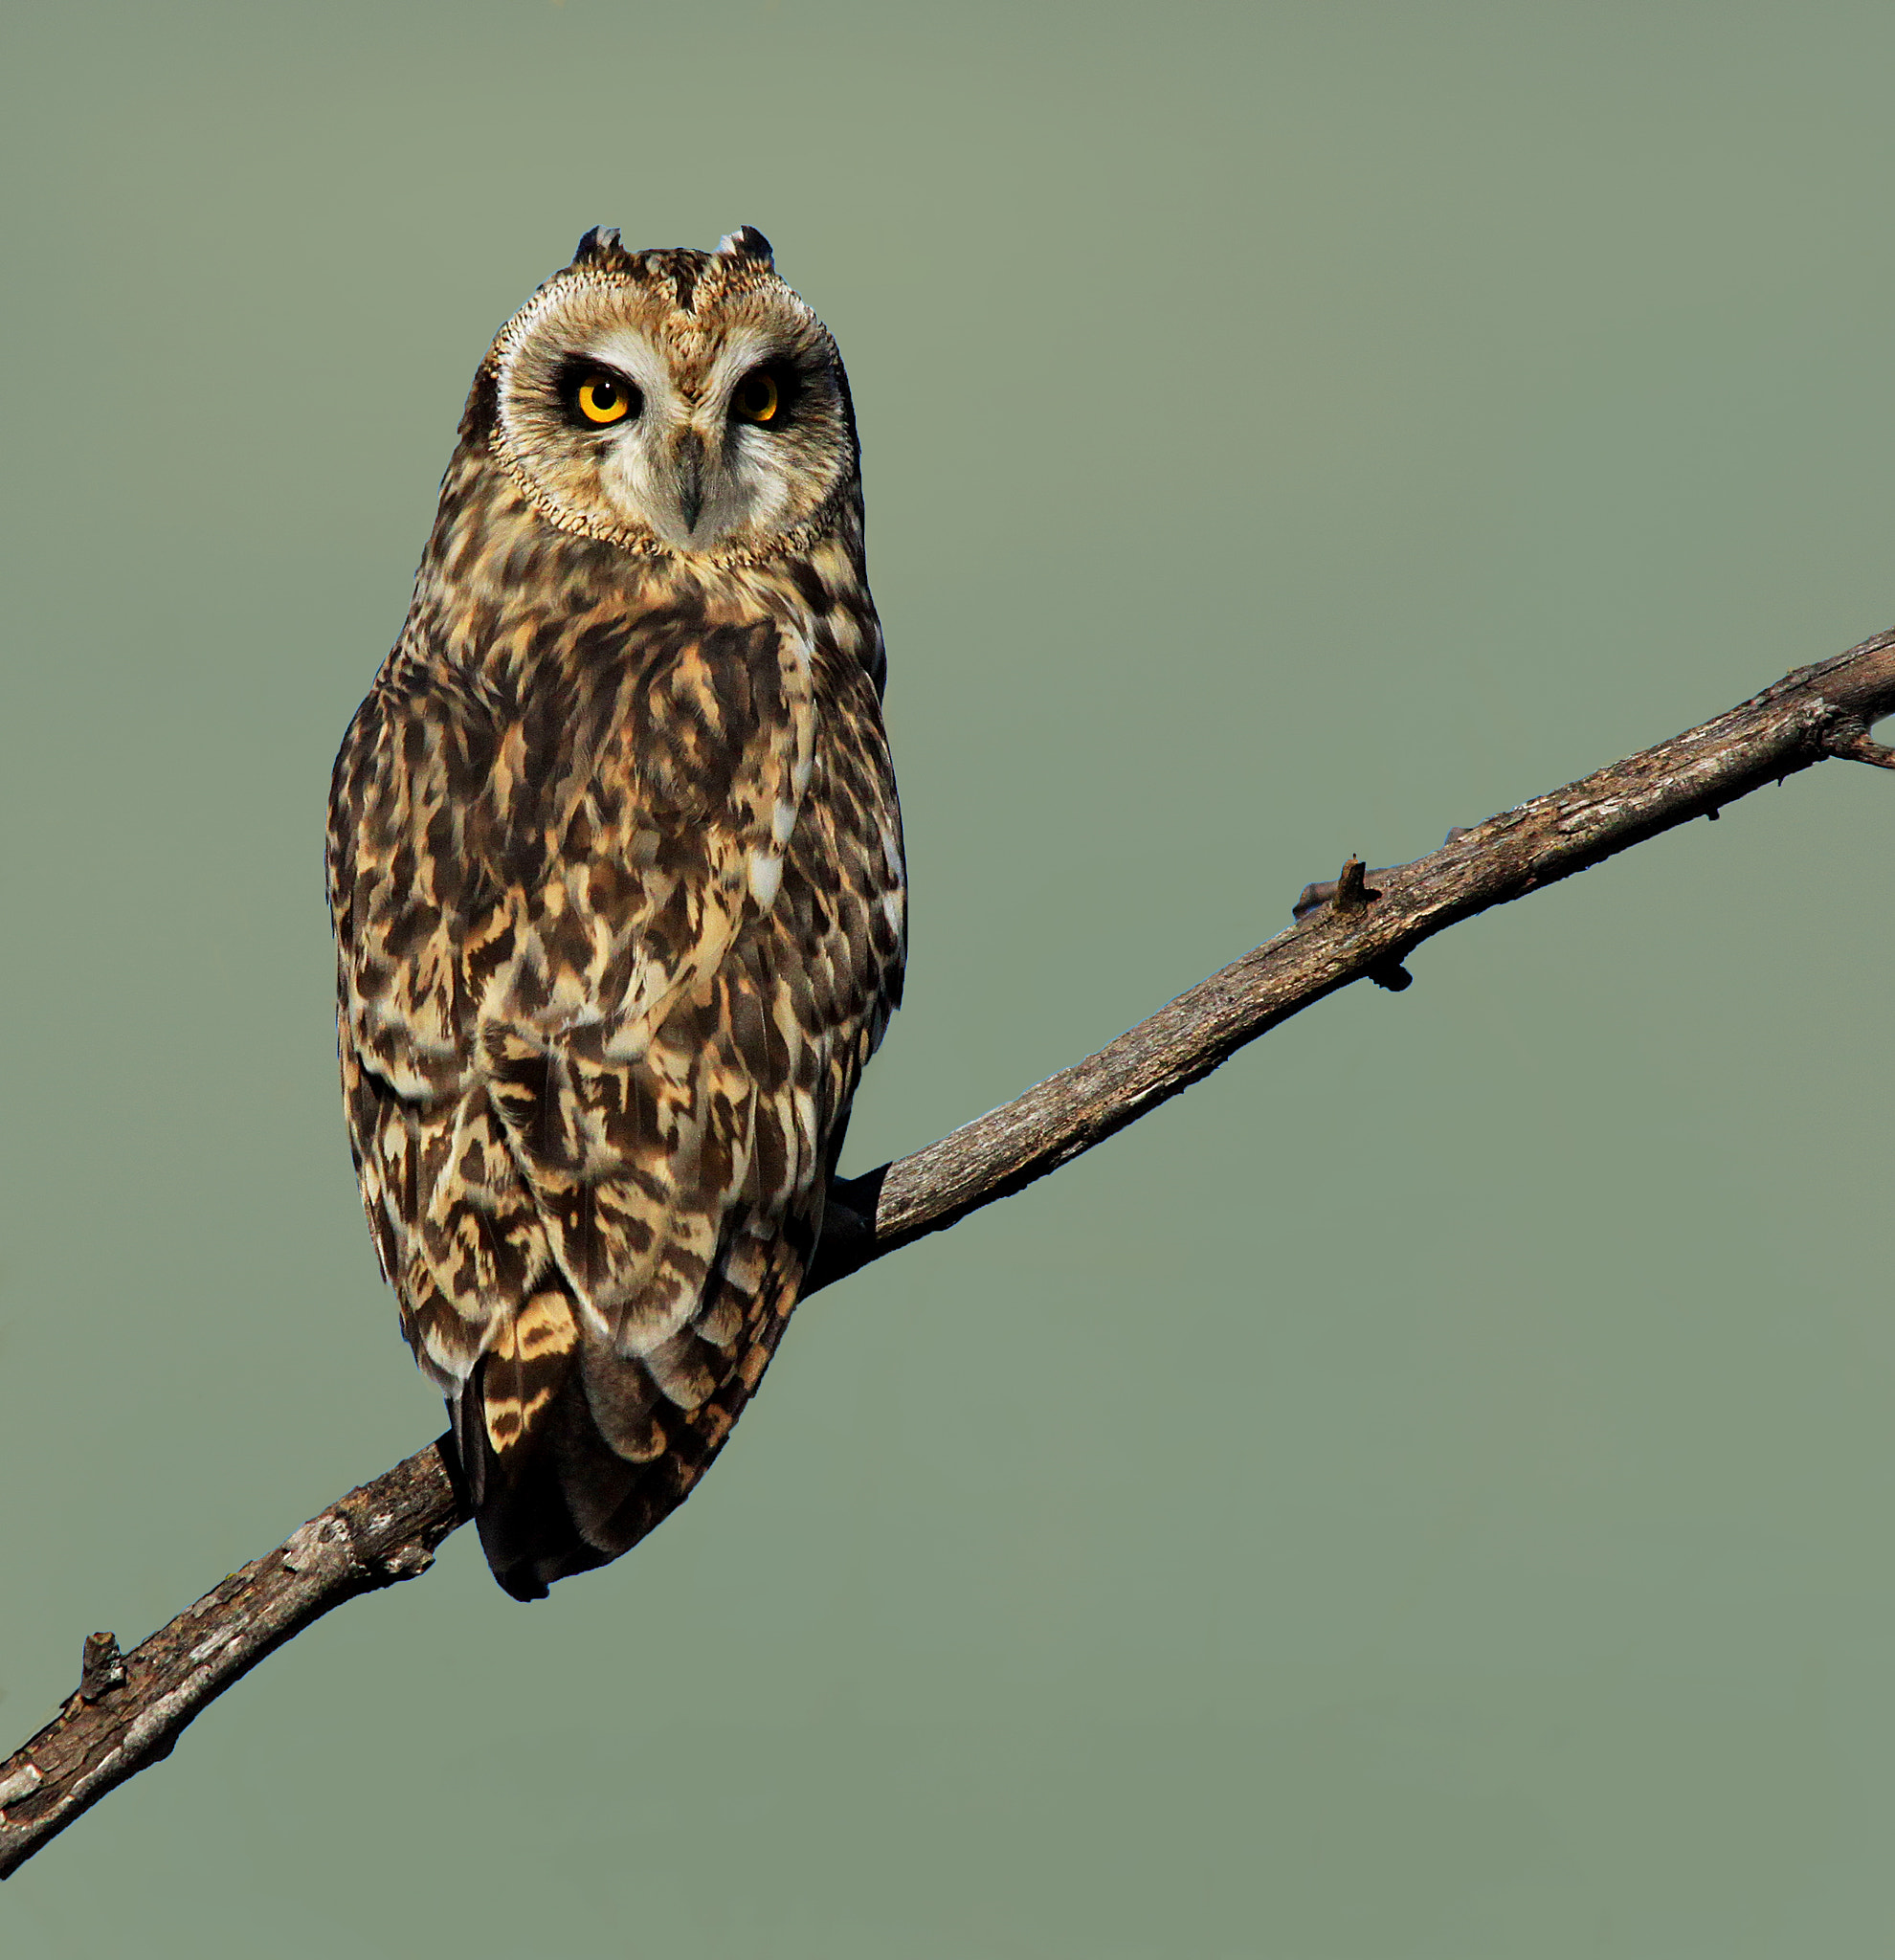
(848, 1228)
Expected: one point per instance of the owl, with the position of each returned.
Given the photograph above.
(614, 864)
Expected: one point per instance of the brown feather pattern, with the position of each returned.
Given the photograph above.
(615, 872)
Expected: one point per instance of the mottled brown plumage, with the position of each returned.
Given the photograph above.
(615, 869)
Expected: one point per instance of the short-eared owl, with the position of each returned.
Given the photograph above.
(615, 868)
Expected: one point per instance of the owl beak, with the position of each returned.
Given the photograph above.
(688, 463)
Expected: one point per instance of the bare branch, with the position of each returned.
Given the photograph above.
(1854, 743)
(1816, 712)
(129, 1711)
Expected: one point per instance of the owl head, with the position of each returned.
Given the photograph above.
(680, 402)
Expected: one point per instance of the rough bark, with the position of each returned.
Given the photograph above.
(129, 1711)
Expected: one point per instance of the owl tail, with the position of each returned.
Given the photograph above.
(551, 1496)
(519, 1495)
(569, 1449)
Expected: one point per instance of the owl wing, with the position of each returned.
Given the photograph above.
(612, 950)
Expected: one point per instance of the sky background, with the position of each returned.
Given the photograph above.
(1424, 1493)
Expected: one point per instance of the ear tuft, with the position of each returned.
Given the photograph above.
(599, 246)
(745, 242)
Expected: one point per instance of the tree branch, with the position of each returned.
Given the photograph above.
(1817, 712)
(129, 1711)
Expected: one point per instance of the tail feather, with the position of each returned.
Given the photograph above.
(557, 1499)
(572, 1451)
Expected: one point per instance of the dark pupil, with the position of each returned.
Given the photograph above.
(756, 395)
(604, 394)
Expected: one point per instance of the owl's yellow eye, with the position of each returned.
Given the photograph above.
(604, 399)
(758, 398)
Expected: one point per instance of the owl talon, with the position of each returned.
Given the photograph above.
(848, 1229)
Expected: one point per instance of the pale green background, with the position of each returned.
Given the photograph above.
(1426, 1494)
